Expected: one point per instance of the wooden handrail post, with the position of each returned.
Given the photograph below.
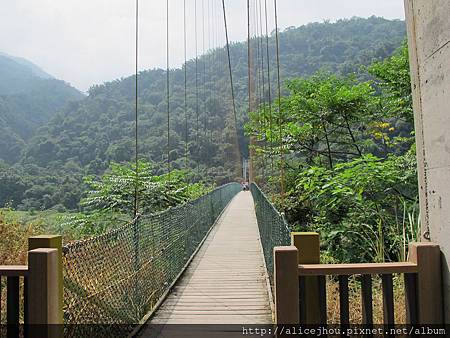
(44, 311)
(427, 256)
(308, 245)
(52, 242)
(286, 285)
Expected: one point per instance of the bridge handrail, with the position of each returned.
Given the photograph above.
(301, 287)
(273, 228)
(110, 233)
(32, 294)
(119, 277)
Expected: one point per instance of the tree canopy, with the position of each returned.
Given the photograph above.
(84, 137)
(350, 159)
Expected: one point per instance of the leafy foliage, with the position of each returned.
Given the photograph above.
(393, 79)
(325, 115)
(351, 172)
(84, 137)
(110, 198)
(29, 98)
(357, 205)
(115, 190)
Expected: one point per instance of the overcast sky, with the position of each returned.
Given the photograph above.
(86, 42)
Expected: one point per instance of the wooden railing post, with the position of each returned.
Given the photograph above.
(427, 256)
(12, 306)
(52, 242)
(286, 285)
(44, 311)
(308, 246)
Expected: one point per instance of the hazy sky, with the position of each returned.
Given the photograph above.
(87, 42)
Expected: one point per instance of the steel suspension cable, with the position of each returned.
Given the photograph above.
(197, 123)
(210, 127)
(258, 57)
(168, 87)
(261, 54)
(249, 56)
(257, 68)
(280, 113)
(216, 54)
(263, 91)
(231, 74)
(213, 49)
(269, 97)
(136, 190)
(205, 114)
(209, 16)
(250, 87)
(186, 125)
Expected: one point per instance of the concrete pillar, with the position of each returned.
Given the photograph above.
(429, 45)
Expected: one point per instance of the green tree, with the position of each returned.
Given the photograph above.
(392, 76)
(324, 114)
(110, 199)
(350, 160)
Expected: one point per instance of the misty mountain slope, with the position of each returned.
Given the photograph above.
(99, 129)
(35, 70)
(29, 98)
(18, 75)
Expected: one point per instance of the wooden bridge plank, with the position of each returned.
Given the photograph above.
(212, 319)
(213, 306)
(225, 283)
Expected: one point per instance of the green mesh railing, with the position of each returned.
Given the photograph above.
(119, 277)
(273, 228)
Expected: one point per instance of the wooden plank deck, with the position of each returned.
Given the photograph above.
(225, 283)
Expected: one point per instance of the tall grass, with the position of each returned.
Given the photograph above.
(13, 248)
(14, 235)
(410, 227)
(355, 300)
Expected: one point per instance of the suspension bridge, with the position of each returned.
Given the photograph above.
(226, 282)
(227, 258)
(200, 263)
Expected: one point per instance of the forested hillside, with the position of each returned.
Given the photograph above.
(29, 98)
(349, 160)
(90, 134)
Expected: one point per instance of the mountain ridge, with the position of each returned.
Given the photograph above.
(85, 136)
(340, 47)
(29, 98)
(36, 70)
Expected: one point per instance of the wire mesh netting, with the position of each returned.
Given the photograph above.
(119, 277)
(273, 228)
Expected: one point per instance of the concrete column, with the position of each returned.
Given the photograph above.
(429, 45)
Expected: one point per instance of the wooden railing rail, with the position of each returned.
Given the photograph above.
(13, 270)
(300, 284)
(356, 269)
(42, 289)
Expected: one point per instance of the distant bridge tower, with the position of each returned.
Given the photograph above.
(245, 169)
(429, 46)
